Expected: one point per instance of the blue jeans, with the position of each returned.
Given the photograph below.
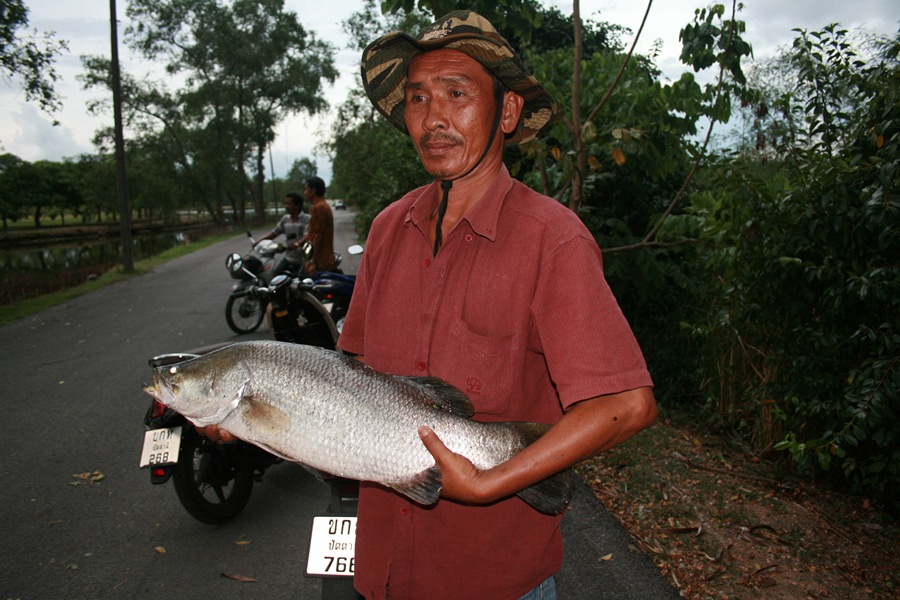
(545, 591)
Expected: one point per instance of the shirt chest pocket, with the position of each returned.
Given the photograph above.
(486, 368)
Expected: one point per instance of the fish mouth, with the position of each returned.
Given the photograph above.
(153, 392)
(160, 391)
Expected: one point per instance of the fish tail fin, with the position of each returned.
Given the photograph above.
(552, 495)
(424, 488)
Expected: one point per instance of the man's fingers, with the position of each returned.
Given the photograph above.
(432, 442)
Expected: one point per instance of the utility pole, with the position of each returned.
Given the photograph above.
(121, 181)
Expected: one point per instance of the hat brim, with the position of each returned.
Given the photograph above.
(386, 61)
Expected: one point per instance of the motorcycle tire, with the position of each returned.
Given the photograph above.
(207, 483)
(244, 314)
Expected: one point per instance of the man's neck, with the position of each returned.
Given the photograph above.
(468, 191)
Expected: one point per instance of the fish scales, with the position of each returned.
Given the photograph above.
(330, 412)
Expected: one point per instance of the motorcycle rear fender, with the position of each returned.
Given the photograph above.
(160, 475)
(320, 308)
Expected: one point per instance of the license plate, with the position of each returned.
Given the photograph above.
(161, 447)
(332, 547)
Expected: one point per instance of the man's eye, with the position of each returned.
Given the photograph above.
(457, 93)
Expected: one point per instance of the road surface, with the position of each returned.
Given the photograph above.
(70, 386)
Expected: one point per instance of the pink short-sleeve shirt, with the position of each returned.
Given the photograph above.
(515, 311)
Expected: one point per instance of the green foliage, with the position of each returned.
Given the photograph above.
(301, 170)
(29, 58)
(373, 163)
(714, 40)
(636, 151)
(516, 17)
(800, 318)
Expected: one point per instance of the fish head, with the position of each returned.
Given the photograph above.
(193, 389)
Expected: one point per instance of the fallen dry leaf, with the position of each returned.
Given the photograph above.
(238, 577)
(88, 477)
(160, 550)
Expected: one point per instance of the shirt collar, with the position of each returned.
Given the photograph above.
(482, 218)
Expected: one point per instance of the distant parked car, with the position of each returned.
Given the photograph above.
(338, 204)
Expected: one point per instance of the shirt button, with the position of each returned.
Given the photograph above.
(404, 511)
(468, 238)
(426, 263)
(421, 366)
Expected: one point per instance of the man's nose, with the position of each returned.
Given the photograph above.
(435, 117)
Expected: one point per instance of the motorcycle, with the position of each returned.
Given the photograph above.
(306, 309)
(246, 308)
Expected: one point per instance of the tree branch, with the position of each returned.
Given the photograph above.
(652, 233)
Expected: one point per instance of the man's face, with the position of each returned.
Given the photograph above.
(291, 206)
(450, 108)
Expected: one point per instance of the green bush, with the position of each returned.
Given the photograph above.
(800, 318)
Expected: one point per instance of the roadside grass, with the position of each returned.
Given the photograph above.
(23, 308)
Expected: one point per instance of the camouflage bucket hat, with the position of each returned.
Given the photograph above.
(386, 60)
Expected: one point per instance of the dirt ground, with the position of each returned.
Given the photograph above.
(720, 523)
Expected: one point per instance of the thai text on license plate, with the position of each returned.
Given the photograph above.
(332, 547)
(161, 447)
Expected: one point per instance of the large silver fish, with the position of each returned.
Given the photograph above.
(335, 414)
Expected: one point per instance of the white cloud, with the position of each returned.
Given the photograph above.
(31, 135)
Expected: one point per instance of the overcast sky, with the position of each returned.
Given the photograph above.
(28, 133)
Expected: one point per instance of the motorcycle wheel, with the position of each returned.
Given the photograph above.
(209, 486)
(244, 313)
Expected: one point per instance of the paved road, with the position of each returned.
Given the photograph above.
(70, 391)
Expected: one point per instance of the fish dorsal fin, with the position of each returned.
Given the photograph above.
(424, 488)
(443, 395)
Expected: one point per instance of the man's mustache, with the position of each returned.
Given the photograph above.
(446, 138)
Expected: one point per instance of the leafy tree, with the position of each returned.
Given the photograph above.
(373, 163)
(246, 65)
(29, 57)
(301, 170)
(96, 180)
(10, 184)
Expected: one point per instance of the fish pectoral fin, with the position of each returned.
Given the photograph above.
(264, 416)
(424, 488)
(552, 495)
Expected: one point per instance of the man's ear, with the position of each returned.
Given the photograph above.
(512, 110)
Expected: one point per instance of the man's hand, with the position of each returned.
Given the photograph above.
(215, 434)
(461, 480)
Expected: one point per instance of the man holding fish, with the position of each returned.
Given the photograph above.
(480, 262)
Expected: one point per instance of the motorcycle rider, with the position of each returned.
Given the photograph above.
(321, 227)
(293, 226)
